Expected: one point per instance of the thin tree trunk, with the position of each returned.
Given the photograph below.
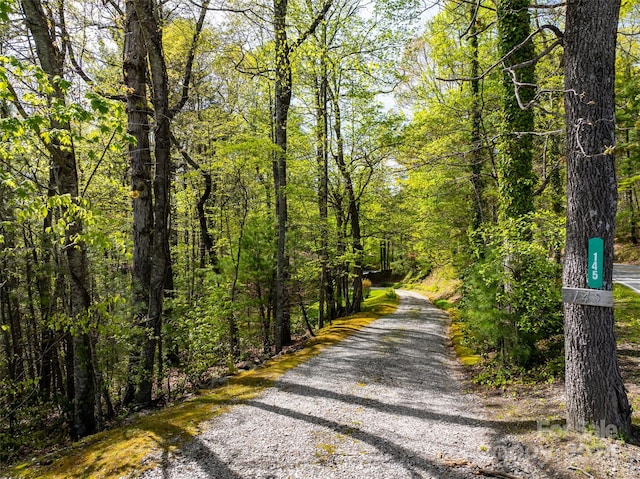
(353, 208)
(44, 286)
(341, 267)
(595, 392)
(63, 164)
(234, 341)
(628, 170)
(322, 157)
(207, 250)
(633, 216)
(9, 306)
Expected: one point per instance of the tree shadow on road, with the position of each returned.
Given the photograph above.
(414, 463)
(407, 458)
(195, 451)
(402, 410)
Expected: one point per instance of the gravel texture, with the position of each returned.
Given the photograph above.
(383, 404)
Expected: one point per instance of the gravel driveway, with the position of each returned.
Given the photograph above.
(384, 404)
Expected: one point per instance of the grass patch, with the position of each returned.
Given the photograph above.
(441, 284)
(145, 440)
(627, 311)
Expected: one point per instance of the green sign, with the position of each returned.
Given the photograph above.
(596, 260)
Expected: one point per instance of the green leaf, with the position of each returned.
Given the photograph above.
(6, 7)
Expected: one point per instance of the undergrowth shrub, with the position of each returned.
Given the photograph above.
(512, 293)
(366, 288)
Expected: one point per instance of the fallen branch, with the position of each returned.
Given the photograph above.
(476, 470)
(576, 468)
(492, 473)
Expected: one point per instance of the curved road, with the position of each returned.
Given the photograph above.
(383, 404)
(628, 275)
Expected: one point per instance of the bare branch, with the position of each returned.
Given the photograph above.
(104, 152)
(16, 101)
(185, 155)
(188, 69)
(540, 29)
(312, 28)
(473, 18)
(68, 46)
(115, 6)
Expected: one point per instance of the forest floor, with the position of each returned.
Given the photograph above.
(585, 455)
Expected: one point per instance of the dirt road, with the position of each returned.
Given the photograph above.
(384, 403)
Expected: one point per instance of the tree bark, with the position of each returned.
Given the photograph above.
(515, 162)
(322, 158)
(138, 110)
(44, 287)
(353, 210)
(477, 183)
(595, 391)
(282, 101)
(341, 296)
(144, 54)
(208, 255)
(148, 15)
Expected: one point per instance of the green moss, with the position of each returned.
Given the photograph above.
(465, 354)
(140, 444)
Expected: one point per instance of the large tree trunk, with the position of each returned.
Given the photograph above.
(594, 388)
(475, 161)
(152, 271)
(515, 171)
(148, 16)
(135, 78)
(282, 101)
(516, 178)
(63, 164)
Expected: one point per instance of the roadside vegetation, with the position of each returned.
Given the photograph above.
(486, 369)
(143, 440)
(529, 401)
